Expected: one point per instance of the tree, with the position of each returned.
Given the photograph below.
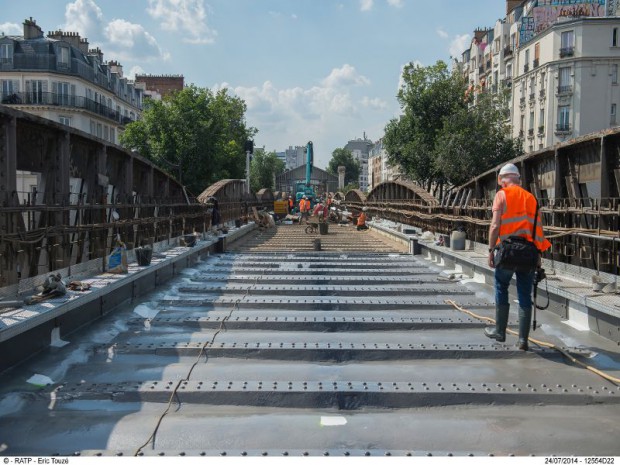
(344, 157)
(195, 134)
(263, 169)
(427, 96)
(475, 139)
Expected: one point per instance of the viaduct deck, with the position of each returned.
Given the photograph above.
(273, 348)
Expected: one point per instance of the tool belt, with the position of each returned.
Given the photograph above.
(516, 253)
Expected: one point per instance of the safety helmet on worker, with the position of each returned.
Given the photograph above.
(509, 169)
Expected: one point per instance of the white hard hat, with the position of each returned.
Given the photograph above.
(364, 209)
(509, 168)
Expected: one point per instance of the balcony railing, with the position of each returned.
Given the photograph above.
(562, 128)
(532, 97)
(507, 52)
(63, 100)
(526, 67)
(567, 52)
(530, 132)
(565, 89)
(508, 82)
(536, 63)
(522, 101)
(48, 62)
(541, 130)
(541, 93)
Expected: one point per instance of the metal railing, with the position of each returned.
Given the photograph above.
(565, 89)
(567, 51)
(64, 100)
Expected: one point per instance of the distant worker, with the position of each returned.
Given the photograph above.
(329, 201)
(304, 209)
(361, 220)
(320, 211)
(291, 204)
(514, 214)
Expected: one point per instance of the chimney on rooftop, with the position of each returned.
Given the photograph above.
(31, 30)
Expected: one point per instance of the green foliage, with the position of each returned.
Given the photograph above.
(195, 134)
(344, 157)
(440, 138)
(475, 140)
(263, 168)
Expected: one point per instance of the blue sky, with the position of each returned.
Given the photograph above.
(320, 70)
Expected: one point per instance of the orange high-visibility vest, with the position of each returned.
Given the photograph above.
(361, 221)
(518, 218)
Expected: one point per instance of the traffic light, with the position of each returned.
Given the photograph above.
(249, 146)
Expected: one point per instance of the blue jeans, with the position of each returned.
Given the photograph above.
(525, 281)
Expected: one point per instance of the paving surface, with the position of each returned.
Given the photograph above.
(276, 349)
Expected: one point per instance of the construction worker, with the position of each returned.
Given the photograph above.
(291, 204)
(320, 211)
(361, 220)
(514, 212)
(304, 209)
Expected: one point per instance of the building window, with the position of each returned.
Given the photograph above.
(526, 65)
(6, 53)
(612, 118)
(36, 91)
(99, 130)
(564, 84)
(113, 135)
(614, 74)
(64, 120)
(614, 37)
(63, 57)
(536, 54)
(106, 132)
(541, 121)
(93, 128)
(567, 45)
(563, 118)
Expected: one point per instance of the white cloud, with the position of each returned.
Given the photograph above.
(11, 29)
(344, 76)
(375, 103)
(441, 33)
(459, 44)
(119, 39)
(366, 5)
(189, 17)
(396, 3)
(124, 36)
(294, 16)
(328, 114)
(133, 71)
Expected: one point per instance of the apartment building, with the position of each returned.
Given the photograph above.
(59, 78)
(379, 168)
(559, 58)
(360, 148)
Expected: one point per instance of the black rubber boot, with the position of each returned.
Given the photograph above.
(501, 321)
(525, 320)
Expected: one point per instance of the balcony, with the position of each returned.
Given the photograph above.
(567, 52)
(521, 133)
(507, 52)
(563, 90)
(530, 132)
(63, 100)
(562, 128)
(536, 63)
(526, 67)
(522, 101)
(507, 82)
(542, 93)
(532, 97)
(541, 130)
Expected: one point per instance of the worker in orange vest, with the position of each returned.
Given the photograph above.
(514, 211)
(361, 220)
(304, 209)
